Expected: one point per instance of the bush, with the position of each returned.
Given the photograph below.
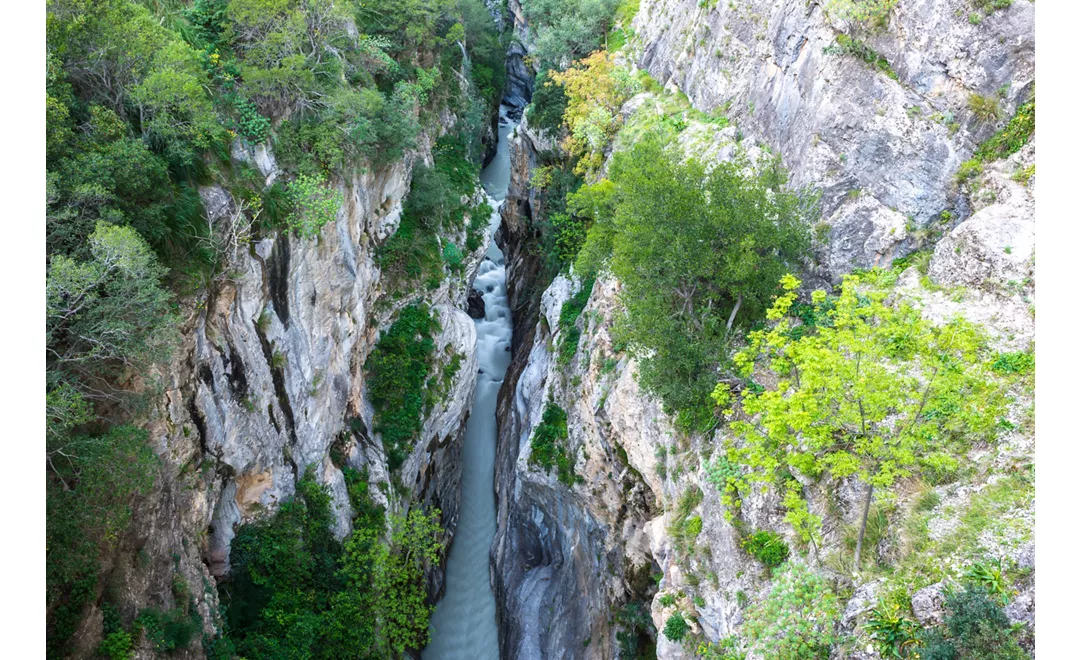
(568, 315)
(796, 620)
(548, 445)
(975, 627)
(314, 205)
(1014, 363)
(396, 371)
(985, 108)
(767, 547)
(893, 632)
(548, 103)
(676, 627)
(869, 14)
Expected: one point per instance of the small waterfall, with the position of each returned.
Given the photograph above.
(463, 625)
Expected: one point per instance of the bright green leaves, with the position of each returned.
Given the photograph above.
(796, 619)
(876, 392)
(296, 592)
(314, 205)
(109, 310)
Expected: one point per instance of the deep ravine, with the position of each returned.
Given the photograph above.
(463, 625)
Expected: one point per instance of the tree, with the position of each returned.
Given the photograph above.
(874, 391)
(696, 250)
(595, 90)
(107, 312)
(796, 619)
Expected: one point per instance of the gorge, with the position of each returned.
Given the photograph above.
(469, 328)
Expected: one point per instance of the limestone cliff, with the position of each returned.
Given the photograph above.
(884, 147)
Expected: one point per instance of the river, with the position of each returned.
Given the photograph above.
(463, 625)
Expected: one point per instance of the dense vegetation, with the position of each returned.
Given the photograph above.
(145, 102)
(296, 592)
(693, 248)
(548, 445)
(396, 372)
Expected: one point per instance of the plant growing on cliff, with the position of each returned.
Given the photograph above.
(676, 627)
(314, 204)
(868, 14)
(796, 620)
(548, 445)
(975, 627)
(396, 371)
(595, 90)
(879, 393)
(767, 547)
(696, 250)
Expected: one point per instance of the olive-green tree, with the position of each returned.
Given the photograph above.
(696, 250)
(875, 392)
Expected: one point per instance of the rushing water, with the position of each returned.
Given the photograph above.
(463, 625)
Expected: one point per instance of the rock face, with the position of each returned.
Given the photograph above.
(270, 376)
(883, 149)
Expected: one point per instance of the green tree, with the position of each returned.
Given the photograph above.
(695, 249)
(796, 620)
(875, 392)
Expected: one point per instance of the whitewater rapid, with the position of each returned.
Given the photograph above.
(463, 625)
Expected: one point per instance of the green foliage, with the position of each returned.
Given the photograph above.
(250, 123)
(868, 14)
(693, 249)
(893, 633)
(767, 547)
(667, 600)
(93, 482)
(676, 627)
(1014, 363)
(1002, 144)
(116, 646)
(297, 592)
(985, 108)
(880, 393)
(396, 371)
(314, 204)
(434, 206)
(170, 630)
(797, 618)
(548, 445)
(568, 316)
(452, 256)
(548, 103)
(989, 576)
(595, 90)
(725, 649)
(846, 45)
(975, 627)
(565, 30)
(635, 637)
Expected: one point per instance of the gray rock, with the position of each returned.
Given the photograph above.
(928, 604)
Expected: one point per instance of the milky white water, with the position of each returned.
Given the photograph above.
(463, 625)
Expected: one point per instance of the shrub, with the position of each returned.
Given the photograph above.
(1014, 363)
(314, 204)
(568, 315)
(846, 45)
(676, 627)
(797, 618)
(893, 632)
(975, 628)
(767, 547)
(396, 371)
(452, 256)
(870, 14)
(667, 600)
(985, 108)
(549, 445)
(548, 103)
(1012, 137)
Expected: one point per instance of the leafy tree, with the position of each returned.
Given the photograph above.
(314, 205)
(796, 620)
(693, 248)
(568, 29)
(878, 393)
(595, 90)
(108, 311)
(548, 103)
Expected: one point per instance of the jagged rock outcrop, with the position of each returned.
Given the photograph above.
(269, 377)
(884, 151)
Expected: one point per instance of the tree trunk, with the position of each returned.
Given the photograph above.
(734, 311)
(862, 527)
